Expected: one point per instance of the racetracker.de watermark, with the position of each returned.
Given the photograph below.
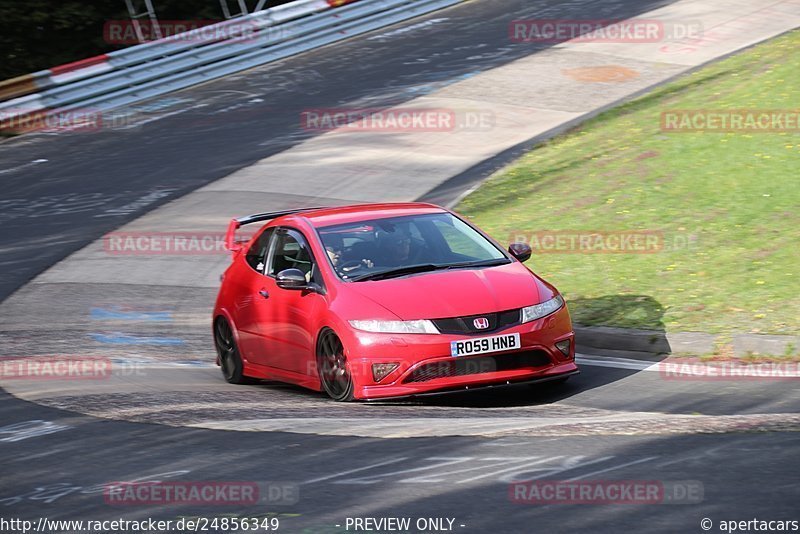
(167, 243)
(200, 493)
(694, 370)
(604, 241)
(67, 367)
(606, 492)
(125, 32)
(731, 120)
(602, 30)
(21, 120)
(58, 367)
(396, 120)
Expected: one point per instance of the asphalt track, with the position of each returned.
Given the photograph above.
(59, 453)
(93, 182)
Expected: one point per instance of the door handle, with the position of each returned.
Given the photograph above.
(264, 293)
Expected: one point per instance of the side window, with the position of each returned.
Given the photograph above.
(257, 254)
(290, 251)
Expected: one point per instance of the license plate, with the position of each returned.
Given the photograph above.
(484, 345)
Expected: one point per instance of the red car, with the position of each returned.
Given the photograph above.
(385, 300)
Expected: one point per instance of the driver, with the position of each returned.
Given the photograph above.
(334, 244)
(395, 248)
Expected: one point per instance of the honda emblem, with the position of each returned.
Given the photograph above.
(481, 323)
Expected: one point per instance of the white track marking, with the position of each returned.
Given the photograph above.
(442, 462)
(23, 166)
(29, 429)
(612, 468)
(693, 367)
(162, 116)
(49, 493)
(437, 477)
(572, 462)
(351, 471)
(617, 363)
(407, 29)
(515, 468)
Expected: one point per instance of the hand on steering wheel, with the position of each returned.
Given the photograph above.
(354, 265)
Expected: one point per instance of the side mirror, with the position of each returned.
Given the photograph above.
(291, 279)
(521, 251)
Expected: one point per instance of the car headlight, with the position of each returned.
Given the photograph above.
(537, 311)
(422, 326)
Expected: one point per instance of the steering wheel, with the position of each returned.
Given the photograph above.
(352, 265)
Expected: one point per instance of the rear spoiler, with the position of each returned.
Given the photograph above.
(230, 236)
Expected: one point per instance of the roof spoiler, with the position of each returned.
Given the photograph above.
(230, 236)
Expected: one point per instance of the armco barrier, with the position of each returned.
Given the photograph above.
(152, 50)
(179, 61)
(21, 85)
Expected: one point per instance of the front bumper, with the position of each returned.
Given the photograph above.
(425, 365)
(481, 387)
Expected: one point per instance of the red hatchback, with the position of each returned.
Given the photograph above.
(385, 300)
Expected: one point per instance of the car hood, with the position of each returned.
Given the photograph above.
(459, 292)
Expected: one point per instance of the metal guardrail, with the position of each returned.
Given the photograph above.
(153, 69)
(206, 53)
(133, 55)
(193, 39)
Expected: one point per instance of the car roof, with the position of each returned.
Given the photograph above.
(322, 217)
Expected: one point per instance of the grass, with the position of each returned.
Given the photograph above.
(727, 205)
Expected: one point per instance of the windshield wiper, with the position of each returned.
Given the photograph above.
(400, 271)
(428, 267)
(482, 263)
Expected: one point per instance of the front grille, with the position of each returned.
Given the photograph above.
(530, 359)
(465, 325)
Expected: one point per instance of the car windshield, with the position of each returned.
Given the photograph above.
(398, 246)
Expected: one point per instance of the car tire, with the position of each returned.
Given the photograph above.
(230, 361)
(334, 373)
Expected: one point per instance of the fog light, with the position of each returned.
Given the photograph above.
(380, 370)
(563, 346)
